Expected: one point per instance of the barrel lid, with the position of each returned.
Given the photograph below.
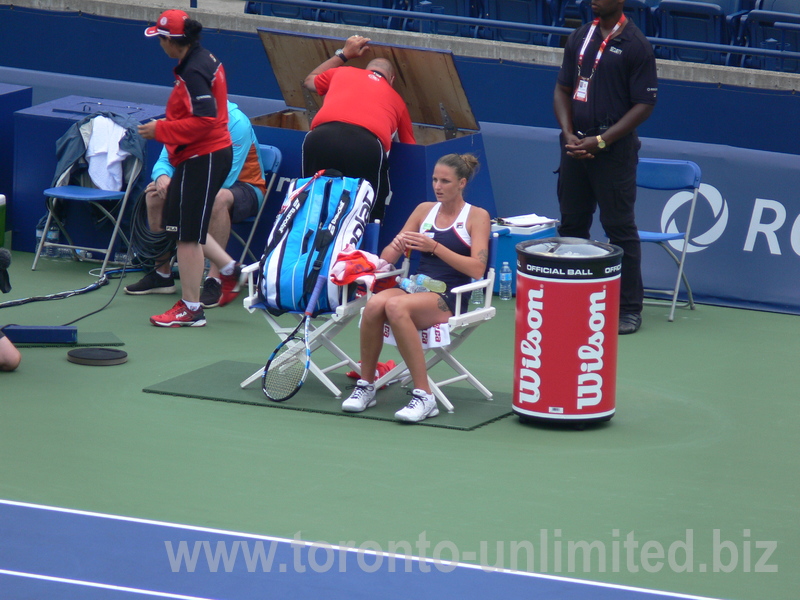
(567, 248)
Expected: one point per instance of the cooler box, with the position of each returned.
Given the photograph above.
(567, 314)
(507, 240)
(430, 85)
(36, 130)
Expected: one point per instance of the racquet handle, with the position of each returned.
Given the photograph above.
(312, 302)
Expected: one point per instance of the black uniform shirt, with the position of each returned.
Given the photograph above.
(626, 75)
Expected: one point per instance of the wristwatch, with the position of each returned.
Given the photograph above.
(601, 143)
(340, 54)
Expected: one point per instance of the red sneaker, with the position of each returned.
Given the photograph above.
(231, 284)
(180, 316)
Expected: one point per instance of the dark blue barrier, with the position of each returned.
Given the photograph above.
(746, 234)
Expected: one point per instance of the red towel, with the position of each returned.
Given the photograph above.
(382, 369)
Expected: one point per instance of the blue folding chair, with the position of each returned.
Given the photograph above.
(74, 181)
(671, 175)
(271, 161)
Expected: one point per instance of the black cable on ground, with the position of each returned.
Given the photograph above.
(145, 249)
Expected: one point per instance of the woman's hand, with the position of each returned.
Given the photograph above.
(413, 240)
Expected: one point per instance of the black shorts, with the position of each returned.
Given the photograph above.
(245, 201)
(191, 194)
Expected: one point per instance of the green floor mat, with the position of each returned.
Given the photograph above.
(220, 381)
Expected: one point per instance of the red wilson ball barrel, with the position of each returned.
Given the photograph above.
(567, 315)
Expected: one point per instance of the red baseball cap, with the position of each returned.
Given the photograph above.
(170, 23)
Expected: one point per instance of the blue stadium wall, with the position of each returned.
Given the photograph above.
(748, 224)
(499, 92)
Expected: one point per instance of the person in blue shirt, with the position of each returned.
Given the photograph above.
(240, 197)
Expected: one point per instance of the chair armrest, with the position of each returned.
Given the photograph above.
(487, 283)
(479, 314)
(251, 271)
(251, 268)
(470, 287)
(394, 273)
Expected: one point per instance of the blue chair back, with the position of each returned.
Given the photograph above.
(359, 19)
(694, 22)
(772, 30)
(270, 158)
(534, 12)
(784, 6)
(667, 174)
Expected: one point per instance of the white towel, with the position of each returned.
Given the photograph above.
(104, 155)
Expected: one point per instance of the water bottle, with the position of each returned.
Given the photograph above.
(477, 296)
(52, 237)
(505, 281)
(432, 285)
(409, 285)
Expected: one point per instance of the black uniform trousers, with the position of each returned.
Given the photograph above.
(354, 152)
(607, 182)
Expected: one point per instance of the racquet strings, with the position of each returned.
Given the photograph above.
(285, 370)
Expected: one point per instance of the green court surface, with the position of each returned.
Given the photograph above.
(692, 487)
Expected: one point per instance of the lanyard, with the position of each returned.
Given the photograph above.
(602, 47)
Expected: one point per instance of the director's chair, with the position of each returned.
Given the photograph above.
(323, 328)
(441, 341)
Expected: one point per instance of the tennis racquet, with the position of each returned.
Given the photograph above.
(288, 365)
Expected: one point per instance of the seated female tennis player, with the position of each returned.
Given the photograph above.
(453, 239)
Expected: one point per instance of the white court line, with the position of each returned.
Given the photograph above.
(104, 586)
(296, 542)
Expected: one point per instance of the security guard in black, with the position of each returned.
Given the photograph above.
(606, 88)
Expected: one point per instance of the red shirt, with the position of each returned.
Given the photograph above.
(361, 97)
(197, 109)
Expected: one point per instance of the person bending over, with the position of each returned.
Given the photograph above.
(452, 237)
(361, 113)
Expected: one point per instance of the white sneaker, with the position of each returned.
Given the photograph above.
(362, 398)
(422, 406)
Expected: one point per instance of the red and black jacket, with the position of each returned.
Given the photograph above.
(197, 109)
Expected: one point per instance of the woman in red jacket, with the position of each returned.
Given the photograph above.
(195, 133)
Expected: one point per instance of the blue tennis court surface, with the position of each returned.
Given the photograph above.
(48, 552)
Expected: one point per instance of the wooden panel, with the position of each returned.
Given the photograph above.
(425, 78)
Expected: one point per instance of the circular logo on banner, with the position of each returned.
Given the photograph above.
(697, 242)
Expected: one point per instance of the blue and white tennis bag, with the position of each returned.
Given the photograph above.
(319, 217)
